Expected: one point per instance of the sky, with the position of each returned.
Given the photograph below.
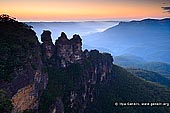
(77, 10)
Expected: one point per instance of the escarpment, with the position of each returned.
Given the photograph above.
(21, 67)
(75, 73)
(26, 67)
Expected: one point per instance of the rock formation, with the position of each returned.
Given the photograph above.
(95, 68)
(64, 52)
(48, 47)
(24, 60)
(69, 50)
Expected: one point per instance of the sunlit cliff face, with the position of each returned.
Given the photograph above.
(50, 10)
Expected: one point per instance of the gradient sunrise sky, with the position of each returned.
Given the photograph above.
(70, 10)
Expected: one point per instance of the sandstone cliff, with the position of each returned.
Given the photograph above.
(48, 48)
(69, 51)
(26, 65)
(76, 76)
(21, 67)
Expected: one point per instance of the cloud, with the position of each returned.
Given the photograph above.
(166, 9)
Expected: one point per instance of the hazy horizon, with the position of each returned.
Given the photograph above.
(106, 20)
(82, 28)
(80, 10)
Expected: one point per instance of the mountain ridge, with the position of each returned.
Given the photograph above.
(146, 39)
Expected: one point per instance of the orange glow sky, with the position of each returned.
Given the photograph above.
(68, 10)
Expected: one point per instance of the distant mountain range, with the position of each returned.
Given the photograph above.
(149, 39)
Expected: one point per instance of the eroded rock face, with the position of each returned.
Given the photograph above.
(70, 51)
(25, 99)
(48, 47)
(29, 83)
(96, 70)
(76, 43)
(22, 75)
(64, 52)
(23, 62)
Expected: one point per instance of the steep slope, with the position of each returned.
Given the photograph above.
(148, 39)
(123, 87)
(150, 76)
(67, 90)
(71, 88)
(21, 67)
(137, 62)
(159, 67)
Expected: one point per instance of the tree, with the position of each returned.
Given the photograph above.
(7, 18)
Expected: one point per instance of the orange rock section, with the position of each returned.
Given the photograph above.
(24, 99)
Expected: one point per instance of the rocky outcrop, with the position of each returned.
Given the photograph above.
(69, 51)
(21, 70)
(64, 52)
(48, 48)
(96, 70)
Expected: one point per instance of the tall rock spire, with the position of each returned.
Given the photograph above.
(69, 50)
(48, 47)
